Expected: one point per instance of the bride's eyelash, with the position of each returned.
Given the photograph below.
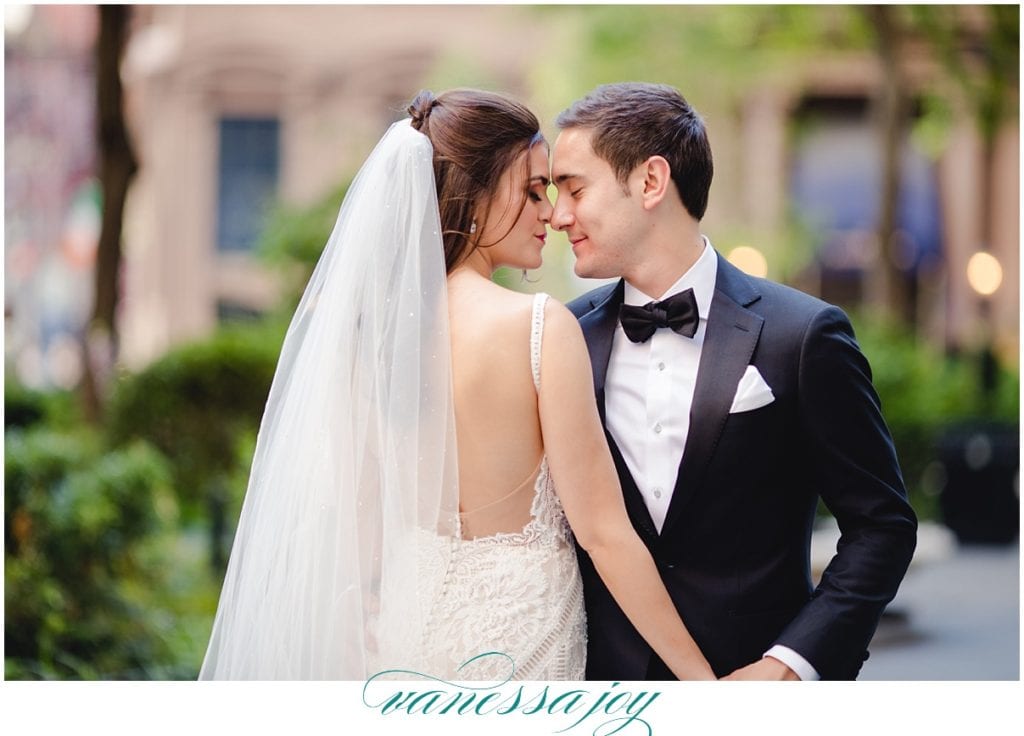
(534, 196)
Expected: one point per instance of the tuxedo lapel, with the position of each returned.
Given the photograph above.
(636, 507)
(732, 334)
(598, 327)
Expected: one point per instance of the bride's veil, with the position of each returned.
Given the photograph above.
(355, 459)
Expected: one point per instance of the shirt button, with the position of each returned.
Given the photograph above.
(657, 429)
(657, 493)
(661, 366)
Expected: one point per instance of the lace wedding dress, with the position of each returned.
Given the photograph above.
(517, 594)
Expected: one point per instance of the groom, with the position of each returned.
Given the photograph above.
(731, 404)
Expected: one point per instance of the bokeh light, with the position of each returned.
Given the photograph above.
(984, 273)
(749, 260)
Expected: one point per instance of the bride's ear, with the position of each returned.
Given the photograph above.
(657, 178)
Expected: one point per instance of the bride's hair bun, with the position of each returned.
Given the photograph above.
(476, 136)
(420, 107)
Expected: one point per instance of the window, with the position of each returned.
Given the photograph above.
(248, 168)
(835, 187)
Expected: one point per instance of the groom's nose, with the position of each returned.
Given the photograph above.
(561, 218)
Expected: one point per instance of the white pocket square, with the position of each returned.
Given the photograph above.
(752, 393)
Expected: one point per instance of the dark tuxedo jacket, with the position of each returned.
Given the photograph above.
(734, 548)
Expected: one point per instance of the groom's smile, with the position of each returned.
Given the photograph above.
(592, 208)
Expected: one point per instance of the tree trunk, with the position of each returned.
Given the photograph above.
(117, 166)
(892, 284)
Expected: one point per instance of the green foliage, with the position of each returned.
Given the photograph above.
(198, 404)
(109, 534)
(931, 131)
(987, 73)
(22, 406)
(195, 402)
(86, 558)
(25, 407)
(295, 236)
(923, 394)
(707, 51)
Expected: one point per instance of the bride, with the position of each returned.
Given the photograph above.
(431, 437)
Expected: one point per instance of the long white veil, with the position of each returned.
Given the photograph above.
(355, 460)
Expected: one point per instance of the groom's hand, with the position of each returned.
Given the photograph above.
(766, 668)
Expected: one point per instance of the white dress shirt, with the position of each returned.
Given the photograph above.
(649, 388)
(648, 394)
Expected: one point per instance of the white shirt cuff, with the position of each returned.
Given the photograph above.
(794, 661)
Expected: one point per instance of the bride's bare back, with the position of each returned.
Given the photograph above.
(496, 417)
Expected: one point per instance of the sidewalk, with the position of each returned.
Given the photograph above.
(956, 617)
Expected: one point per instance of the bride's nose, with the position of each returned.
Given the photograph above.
(546, 211)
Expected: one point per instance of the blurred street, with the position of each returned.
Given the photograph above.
(956, 616)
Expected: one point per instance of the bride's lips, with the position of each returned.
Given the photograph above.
(541, 238)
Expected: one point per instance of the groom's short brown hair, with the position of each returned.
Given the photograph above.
(632, 121)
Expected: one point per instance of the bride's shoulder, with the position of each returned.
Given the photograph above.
(518, 308)
(558, 319)
(491, 307)
(488, 308)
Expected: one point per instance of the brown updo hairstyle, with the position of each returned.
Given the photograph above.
(476, 137)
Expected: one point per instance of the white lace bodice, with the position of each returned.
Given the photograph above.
(516, 593)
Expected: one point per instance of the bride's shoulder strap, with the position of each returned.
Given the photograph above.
(536, 335)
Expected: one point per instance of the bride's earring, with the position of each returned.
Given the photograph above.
(472, 228)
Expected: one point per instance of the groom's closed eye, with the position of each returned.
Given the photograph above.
(569, 183)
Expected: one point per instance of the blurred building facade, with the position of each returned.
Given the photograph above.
(231, 107)
(806, 147)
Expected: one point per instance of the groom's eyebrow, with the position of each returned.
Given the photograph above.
(562, 178)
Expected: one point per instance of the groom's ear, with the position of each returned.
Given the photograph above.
(657, 180)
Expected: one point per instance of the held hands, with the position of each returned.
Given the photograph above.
(766, 668)
(700, 671)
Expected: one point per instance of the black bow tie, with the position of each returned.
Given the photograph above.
(678, 312)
